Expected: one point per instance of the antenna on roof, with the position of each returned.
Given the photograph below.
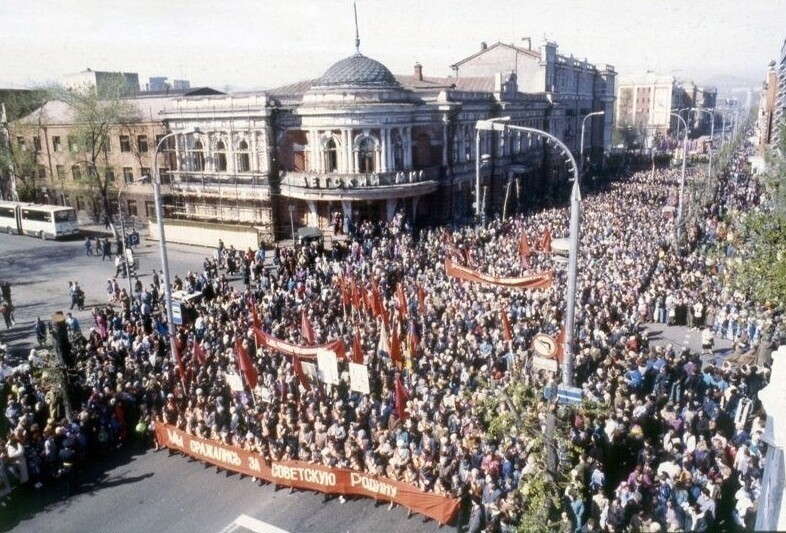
(357, 32)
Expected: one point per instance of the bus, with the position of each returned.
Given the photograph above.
(37, 220)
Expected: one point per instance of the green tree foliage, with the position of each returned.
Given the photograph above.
(96, 117)
(761, 272)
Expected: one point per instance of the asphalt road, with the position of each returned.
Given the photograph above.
(156, 491)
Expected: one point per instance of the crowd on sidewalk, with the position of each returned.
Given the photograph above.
(675, 444)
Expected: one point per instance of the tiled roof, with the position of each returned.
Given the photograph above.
(358, 70)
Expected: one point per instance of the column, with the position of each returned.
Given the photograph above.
(445, 141)
(406, 141)
(349, 162)
(383, 149)
(390, 207)
(315, 164)
(313, 216)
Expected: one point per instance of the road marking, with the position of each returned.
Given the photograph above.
(251, 524)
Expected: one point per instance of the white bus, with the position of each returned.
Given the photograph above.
(37, 220)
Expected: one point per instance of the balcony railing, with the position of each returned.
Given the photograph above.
(314, 180)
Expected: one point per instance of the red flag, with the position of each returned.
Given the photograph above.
(377, 308)
(421, 299)
(401, 399)
(305, 328)
(199, 353)
(357, 349)
(412, 339)
(246, 366)
(506, 332)
(545, 241)
(402, 301)
(355, 295)
(181, 368)
(524, 251)
(395, 348)
(252, 304)
(300, 374)
(560, 341)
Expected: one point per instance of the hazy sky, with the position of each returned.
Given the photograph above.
(266, 43)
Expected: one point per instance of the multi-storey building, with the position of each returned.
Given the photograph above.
(780, 104)
(362, 143)
(105, 83)
(357, 142)
(646, 100)
(768, 107)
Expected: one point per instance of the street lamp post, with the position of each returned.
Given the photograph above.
(712, 139)
(487, 125)
(682, 178)
(162, 247)
(573, 249)
(581, 150)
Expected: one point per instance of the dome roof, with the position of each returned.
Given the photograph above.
(358, 70)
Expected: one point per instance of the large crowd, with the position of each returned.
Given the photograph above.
(674, 442)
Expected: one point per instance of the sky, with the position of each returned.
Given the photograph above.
(258, 44)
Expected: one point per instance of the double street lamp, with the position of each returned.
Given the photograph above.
(678, 228)
(129, 257)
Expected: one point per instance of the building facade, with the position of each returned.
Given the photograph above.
(646, 100)
(361, 143)
(356, 143)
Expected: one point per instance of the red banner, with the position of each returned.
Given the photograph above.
(303, 352)
(309, 476)
(539, 280)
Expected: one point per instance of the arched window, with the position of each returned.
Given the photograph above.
(331, 156)
(198, 157)
(398, 152)
(366, 155)
(243, 159)
(221, 157)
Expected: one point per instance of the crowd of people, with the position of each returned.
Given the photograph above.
(673, 442)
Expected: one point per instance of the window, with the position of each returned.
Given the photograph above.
(73, 146)
(109, 174)
(57, 146)
(20, 141)
(34, 214)
(141, 142)
(65, 215)
(243, 159)
(76, 172)
(146, 173)
(198, 157)
(60, 171)
(331, 156)
(366, 154)
(125, 143)
(150, 209)
(128, 174)
(41, 172)
(106, 145)
(80, 204)
(221, 157)
(131, 205)
(37, 143)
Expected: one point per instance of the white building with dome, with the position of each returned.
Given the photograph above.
(365, 143)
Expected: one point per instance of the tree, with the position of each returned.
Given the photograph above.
(96, 117)
(761, 273)
(18, 167)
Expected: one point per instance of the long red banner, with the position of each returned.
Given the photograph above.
(540, 280)
(302, 352)
(309, 476)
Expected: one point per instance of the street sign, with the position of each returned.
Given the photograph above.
(567, 395)
(544, 345)
(133, 239)
(541, 363)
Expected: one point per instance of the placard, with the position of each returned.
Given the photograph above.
(541, 363)
(327, 367)
(310, 370)
(234, 381)
(358, 378)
